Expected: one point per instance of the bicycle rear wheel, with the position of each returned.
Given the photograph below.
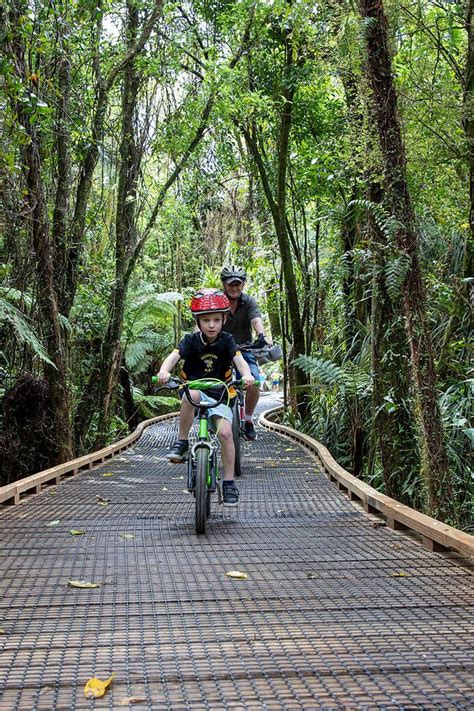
(202, 494)
(237, 441)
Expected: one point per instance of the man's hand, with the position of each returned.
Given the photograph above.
(163, 376)
(260, 342)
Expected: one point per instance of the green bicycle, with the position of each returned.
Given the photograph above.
(203, 474)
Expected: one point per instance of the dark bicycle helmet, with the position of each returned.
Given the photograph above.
(207, 301)
(233, 273)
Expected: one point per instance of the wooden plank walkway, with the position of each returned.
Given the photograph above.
(336, 613)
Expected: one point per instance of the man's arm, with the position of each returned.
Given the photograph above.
(259, 328)
(243, 369)
(167, 366)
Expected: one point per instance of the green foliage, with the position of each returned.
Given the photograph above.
(146, 313)
(396, 272)
(349, 379)
(22, 327)
(149, 406)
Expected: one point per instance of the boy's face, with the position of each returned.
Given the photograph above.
(211, 325)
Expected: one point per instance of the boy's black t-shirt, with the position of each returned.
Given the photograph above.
(207, 360)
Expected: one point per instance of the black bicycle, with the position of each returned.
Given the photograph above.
(263, 354)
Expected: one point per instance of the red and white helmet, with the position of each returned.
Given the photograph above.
(208, 301)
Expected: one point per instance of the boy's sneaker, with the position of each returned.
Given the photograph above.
(230, 493)
(178, 452)
(250, 430)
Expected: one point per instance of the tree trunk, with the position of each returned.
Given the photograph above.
(394, 426)
(37, 210)
(469, 130)
(435, 468)
(125, 232)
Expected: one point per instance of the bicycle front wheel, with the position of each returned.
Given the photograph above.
(202, 466)
(237, 441)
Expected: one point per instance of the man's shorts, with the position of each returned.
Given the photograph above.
(221, 410)
(250, 359)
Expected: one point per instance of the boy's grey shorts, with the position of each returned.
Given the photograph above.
(221, 410)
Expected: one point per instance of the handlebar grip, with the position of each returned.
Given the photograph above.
(154, 378)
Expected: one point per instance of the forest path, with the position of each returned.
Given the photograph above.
(335, 613)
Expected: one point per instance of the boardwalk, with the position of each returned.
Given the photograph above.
(335, 613)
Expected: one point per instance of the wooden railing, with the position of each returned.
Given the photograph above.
(436, 536)
(11, 493)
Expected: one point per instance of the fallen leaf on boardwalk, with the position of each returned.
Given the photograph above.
(164, 489)
(74, 532)
(311, 576)
(237, 575)
(378, 524)
(129, 700)
(52, 523)
(107, 474)
(397, 546)
(95, 688)
(82, 584)
(290, 449)
(102, 501)
(46, 690)
(177, 477)
(127, 536)
(2, 631)
(399, 574)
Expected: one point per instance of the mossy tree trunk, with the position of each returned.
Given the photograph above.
(435, 467)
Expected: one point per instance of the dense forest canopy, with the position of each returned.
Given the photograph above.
(328, 148)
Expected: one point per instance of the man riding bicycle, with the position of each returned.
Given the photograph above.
(244, 315)
(208, 353)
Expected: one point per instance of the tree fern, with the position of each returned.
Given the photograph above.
(9, 314)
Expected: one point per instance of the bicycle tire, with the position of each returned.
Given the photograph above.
(202, 494)
(237, 441)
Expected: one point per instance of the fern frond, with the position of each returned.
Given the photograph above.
(323, 370)
(22, 328)
(349, 379)
(386, 223)
(396, 272)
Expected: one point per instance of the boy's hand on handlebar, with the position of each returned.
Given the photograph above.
(248, 381)
(163, 377)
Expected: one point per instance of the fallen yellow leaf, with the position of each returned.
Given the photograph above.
(127, 536)
(95, 688)
(290, 449)
(107, 474)
(82, 584)
(2, 631)
(74, 532)
(399, 574)
(52, 523)
(237, 574)
(102, 501)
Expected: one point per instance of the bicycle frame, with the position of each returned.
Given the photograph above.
(203, 460)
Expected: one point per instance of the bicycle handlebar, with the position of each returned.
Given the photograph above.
(187, 385)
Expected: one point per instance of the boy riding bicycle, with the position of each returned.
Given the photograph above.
(208, 353)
